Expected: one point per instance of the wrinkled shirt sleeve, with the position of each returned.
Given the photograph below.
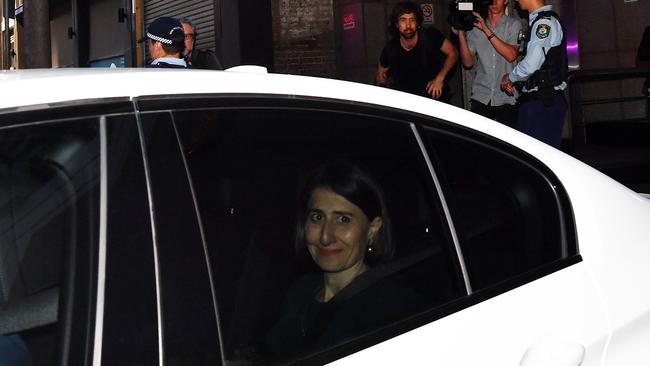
(535, 54)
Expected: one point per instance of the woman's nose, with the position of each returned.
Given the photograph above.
(327, 234)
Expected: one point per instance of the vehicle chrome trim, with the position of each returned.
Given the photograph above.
(101, 255)
(152, 211)
(445, 207)
(203, 241)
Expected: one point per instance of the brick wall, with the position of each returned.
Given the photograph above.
(303, 37)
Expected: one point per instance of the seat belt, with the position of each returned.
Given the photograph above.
(374, 275)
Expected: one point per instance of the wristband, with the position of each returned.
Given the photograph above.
(490, 36)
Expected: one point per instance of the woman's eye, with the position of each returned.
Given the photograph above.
(344, 219)
(315, 216)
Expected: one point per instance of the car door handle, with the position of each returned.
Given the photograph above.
(555, 353)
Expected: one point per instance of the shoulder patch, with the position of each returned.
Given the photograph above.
(542, 31)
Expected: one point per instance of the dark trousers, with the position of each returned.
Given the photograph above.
(506, 114)
(542, 122)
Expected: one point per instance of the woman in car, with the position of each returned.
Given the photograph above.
(344, 225)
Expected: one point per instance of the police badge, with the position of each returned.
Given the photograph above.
(543, 31)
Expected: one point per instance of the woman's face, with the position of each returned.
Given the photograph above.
(337, 232)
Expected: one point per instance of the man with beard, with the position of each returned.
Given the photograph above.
(492, 47)
(416, 61)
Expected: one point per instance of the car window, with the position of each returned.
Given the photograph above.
(49, 202)
(510, 212)
(249, 167)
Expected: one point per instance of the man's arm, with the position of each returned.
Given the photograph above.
(466, 55)
(434, 87)
(508, 51)
(539, 44)
(382, 73)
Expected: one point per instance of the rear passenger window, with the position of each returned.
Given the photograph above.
(273, 242)
(510, 213)
(49, 184)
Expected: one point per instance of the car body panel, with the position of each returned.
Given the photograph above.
(563, 306)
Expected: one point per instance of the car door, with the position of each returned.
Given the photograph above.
(532, 299)
(247, 158)
(484, 233)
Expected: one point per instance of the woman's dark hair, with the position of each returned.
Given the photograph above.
(406, 7)
(351, 182)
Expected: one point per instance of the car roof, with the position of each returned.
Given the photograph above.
(27, 89)
(46, 86)
(38, 87)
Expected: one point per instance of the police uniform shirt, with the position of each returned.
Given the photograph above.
(547, 33)
(168, 62)
(490, 65)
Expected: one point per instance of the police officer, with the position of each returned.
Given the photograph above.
(166, 43)
(541, 75)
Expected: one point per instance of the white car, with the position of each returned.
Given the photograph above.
(149, 216)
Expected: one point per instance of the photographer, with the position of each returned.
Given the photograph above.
(414, 59)
(492, 47)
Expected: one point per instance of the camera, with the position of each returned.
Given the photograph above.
(460, 12)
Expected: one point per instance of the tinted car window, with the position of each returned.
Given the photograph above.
(49, 184)
(248, 167)
(510, 213)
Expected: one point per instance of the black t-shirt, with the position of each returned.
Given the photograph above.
(307, 323)
(411, 70)
(204, 59)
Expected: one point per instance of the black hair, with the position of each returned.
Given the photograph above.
(350, 181)
(406, 7)
(174, 48)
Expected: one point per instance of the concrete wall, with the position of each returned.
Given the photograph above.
(610, 31)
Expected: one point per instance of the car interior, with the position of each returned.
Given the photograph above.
(44, 181)
(248, 175)
(505, 211)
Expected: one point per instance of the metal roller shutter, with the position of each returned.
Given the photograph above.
(201, 12)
